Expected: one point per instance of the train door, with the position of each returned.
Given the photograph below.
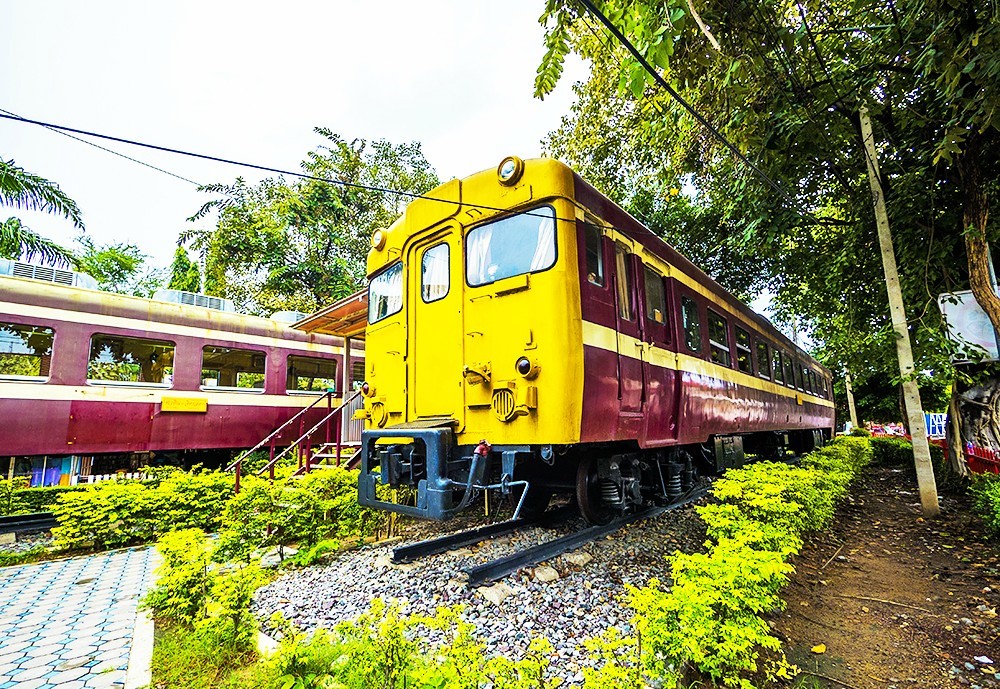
(659, 362)
(631, 386)
(435, 362)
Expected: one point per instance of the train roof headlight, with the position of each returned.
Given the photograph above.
(378, 239)
(510, 170)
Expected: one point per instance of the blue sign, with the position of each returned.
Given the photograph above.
(936, 424)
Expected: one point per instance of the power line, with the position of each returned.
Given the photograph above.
(108, 150)
(690, 108)
(280, 171)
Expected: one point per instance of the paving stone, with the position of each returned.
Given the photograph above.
(106, 680)
(31, 673)
(48, 661)
(35, 683)
(78, 650)
(68, 675)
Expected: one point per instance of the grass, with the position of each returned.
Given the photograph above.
(182, 660)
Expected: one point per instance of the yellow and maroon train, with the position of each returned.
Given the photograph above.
(525, 334)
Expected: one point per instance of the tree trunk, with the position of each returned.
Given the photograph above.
(975, 213)
(956, 444)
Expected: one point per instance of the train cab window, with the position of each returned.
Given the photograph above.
(656, 297)
(25, 351)
(115, 359)
(776, 370)
(763, 361)
(744, 358)
(595, 254)
(434, 278)
(623, 283)
(718, 338)
(519, 244)
(691, 322)
(311, 374)
(232, 369)
(385, 293)
(789, 370)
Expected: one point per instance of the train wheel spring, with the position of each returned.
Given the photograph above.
(674, 482)
(610, 493)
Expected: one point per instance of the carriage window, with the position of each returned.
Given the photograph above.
(233, 369)
(691, 324)
(789, 370)
(434, 280)
(117, 359)
(519, 244)
(595, 254)
(807, 381)
(743, 356)
(623, 282)
(776, 370)
(308, 373)
(25, 351)
(656, 298)
(357, 374)
(763, 361)
(718, 338)
(385, 293)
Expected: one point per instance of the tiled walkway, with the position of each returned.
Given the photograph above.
(70, 623)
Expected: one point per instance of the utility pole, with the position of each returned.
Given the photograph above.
(911, 393)
(850, 400)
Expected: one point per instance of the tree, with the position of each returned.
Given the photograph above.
(184, 273)
(299, 245)
(25, 190)
(119, 267)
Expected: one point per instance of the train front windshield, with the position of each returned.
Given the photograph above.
(385, 293)
(524, 243)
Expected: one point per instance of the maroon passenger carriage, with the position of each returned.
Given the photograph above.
(92, 381)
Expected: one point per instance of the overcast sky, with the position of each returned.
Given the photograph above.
(249, 81)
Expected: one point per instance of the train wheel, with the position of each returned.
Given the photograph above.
(588, 493)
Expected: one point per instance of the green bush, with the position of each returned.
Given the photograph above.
(985, 490)
(118, 513)
(711, 623)
(182, 585)
(17, 498)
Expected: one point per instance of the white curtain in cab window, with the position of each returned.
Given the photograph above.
(545, 245)
(434, 273)
(479, 255)
(385, 294)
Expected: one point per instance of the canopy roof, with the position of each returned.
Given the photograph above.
(345, 318)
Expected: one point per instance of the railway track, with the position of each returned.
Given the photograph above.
(20, 523)
(488, 572)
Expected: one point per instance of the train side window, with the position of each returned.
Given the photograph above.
(789, 370)
(624, 281)
(115, 359)
(763, 361)
(807, 379)
(656, 297)
(595, 254)
(434, 275)
(25, 351)
(357, 374)
(744, 358)
(691, 323)
(232, 369)
(311, 374)
(776, 370)
(385, 293)
(718, 338)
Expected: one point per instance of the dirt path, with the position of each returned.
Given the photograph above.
(897, 601)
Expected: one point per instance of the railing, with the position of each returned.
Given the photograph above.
(305, 442)
(300, 416)
(982, 459)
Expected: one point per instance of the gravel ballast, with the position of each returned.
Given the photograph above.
(585, 599)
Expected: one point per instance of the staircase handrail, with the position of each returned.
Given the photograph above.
(279, 429)
(308, 433)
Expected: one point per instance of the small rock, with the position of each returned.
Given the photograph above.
(495, 594)
(546, 574)
(579, 558)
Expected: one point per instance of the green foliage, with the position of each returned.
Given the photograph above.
(712, 619)
(986, 500)
(11, 496)
(117, 267)
(9, 559)
(119, 513)
(182, 660)
(300, 245)
(25, 500)
(860, 432)
(22, 189)
(184, 273)
(182, 580)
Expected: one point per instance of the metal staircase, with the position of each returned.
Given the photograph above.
(324, 444)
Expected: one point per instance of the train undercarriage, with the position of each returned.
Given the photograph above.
(606, 480)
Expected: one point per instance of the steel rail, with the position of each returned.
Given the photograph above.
(501, 567)
(433, 546)
(37, 521)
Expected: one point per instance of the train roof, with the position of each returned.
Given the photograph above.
(41, 294)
